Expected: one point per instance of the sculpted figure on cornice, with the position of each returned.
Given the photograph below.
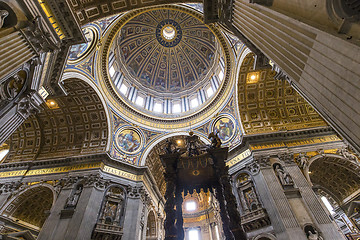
(287, 157)
(346, 154)
(215, 140)
(302, 160)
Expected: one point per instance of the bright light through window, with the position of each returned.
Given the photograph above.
(217, 232)
(139, 101)
(190, 206)
(194, 103)
(158, 107)
(123, 89)
(221, 76)
(176, 108)
(209, 91)
(112, 71)
(328, 205)
(3, 154)
(194, 234)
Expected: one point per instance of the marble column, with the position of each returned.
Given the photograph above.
(135, 210)
(79, 223)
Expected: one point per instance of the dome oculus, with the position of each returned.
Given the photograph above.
(168, 32)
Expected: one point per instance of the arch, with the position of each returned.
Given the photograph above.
(245, 51)
(335, 174)
(202, 137)
(31, 205)
(268, 105)
(69, 125)
(69, 75)
(151, 226)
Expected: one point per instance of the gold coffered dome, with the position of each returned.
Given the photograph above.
(166, 52)
(165, 66)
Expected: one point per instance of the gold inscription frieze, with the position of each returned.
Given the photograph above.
(50, 170)
(295, 143)
(78, 167)
(239, 158)
(122, 173)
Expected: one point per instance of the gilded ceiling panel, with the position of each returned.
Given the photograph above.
(269, 105)
(31, 206)
(91, 10)
(68, 126)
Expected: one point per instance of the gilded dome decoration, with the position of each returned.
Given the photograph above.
(164, 68)
(166, 51)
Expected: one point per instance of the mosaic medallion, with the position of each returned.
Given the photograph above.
(225, 128)
(80, 51)
(128, 140)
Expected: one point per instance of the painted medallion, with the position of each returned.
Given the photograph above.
(225, 128)
(80, 51)
(128, 140)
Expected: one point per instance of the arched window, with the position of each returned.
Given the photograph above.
(151, 233)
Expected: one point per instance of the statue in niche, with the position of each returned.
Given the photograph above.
(110, 212)
(346, 154)
(251, 199)
(74, 197)
(283, 176)
(302, 160)
(12, 87)
(314, 236)
(3, 15)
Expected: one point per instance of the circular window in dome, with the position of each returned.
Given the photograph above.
(169, 32)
